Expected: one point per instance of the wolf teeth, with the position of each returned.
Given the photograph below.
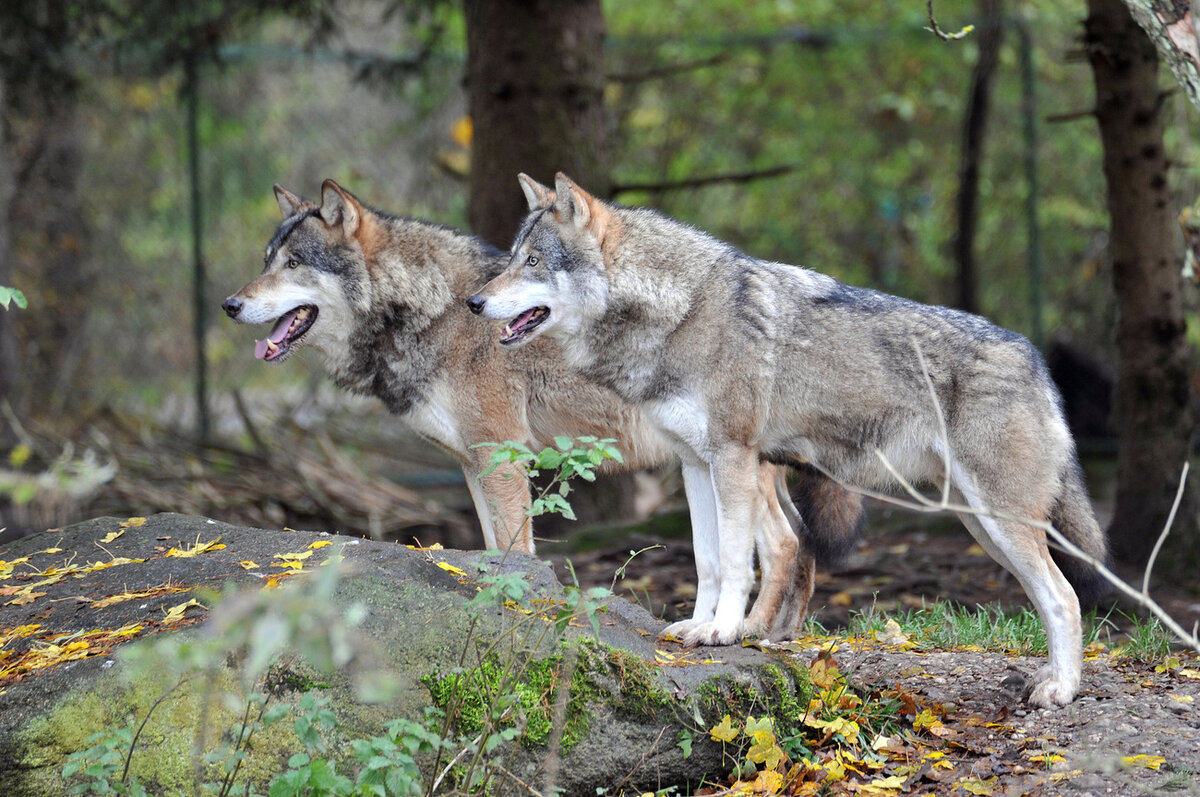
(507, 331)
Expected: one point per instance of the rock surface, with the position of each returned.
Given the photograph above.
(112, 582)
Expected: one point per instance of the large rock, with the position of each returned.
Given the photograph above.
(631, 696)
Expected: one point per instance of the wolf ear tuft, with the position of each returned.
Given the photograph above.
(537, 195)
(572, 203)
(289, 203)
(339, 206)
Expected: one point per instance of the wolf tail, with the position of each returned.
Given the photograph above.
(1072, 515)
(833, 515)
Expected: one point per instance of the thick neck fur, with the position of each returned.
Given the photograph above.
(651, 295)
(418, 275)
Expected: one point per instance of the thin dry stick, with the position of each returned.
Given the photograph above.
(937, 408)
(1166, 528)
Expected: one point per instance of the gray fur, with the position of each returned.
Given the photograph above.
(731, 355)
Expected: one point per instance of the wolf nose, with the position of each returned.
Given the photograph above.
(232, 307)
(476, 303)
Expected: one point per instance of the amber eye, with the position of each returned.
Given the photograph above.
(532, 261)
(292, 262)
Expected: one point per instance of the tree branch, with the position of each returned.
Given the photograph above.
(699, 182)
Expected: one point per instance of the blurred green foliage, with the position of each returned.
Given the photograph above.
(856, 96)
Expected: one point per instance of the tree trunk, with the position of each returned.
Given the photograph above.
(49, 247)
(1152, 403)
(535, 86)
(1171, 26)
(8, 350)
(991, 34)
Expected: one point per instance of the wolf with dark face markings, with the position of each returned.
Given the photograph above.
(734, 359)
(380, 297)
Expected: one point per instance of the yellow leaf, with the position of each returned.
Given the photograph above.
(134, 522)
(112, 535)
(1183, 698)
(52, 550)
(1049, 759)
(1144, 761)
(977, 786)
(175, 613)
(975, 550)
(197, 549)
(891, 782)
(1187, 672)
(292, 565)
(293, 557)
(437, 546)
(248, 564)
(452, 570)
(768, 782)
(841, 599)
(462, 131)
(724, 731)
(320, 544)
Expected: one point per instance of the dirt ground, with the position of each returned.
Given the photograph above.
(1134, 730)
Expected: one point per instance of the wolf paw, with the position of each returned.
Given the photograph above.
(1052, 693)
(713, 634)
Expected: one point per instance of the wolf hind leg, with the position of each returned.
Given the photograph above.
(702, 507)
(1022, 550)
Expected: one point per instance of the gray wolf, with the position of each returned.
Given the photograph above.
(734, 358)
(380, 298)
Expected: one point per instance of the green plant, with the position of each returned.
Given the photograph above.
(480, 711)
(12, 295)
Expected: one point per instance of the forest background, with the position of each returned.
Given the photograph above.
(141, 142)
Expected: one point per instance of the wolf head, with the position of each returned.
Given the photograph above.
(315, 277)
(556, 280)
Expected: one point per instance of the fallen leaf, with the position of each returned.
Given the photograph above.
(133, 523)
(293, 557)
(292, 565)
(112, 535)
(28, 597)
(452, 570)
(52, 550)
(197, 549)
(891, 634)
(175, 613)
(977, 786)
(320, 544)
(248, 565)
(1144, 761)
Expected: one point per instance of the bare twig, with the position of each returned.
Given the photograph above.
(1166, 529)
(936, 29)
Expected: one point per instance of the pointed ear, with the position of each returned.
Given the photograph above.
(289, 203)
(537, 195)
(339, 206)
(572, 203)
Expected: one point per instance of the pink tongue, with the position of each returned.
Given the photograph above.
(523, 319)
(277, 335)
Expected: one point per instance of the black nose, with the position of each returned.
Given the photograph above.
(232, 307)
(476, 303)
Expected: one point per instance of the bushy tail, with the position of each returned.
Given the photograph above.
(1072, 515)
(833, 515)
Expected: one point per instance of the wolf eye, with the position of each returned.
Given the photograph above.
(292, 262)
(532, 261)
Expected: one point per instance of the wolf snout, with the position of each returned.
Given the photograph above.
(476, 303)
(232, 306)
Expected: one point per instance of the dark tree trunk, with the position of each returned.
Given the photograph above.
(8, 344)
(535, 86)
(991, 34)
(1152, 403)
(48, 242)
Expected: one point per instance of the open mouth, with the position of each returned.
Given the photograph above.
(519, 328)
(288, 331)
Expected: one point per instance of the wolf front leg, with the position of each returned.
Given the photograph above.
(733, 472)
(702, 506)
(501, 499)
